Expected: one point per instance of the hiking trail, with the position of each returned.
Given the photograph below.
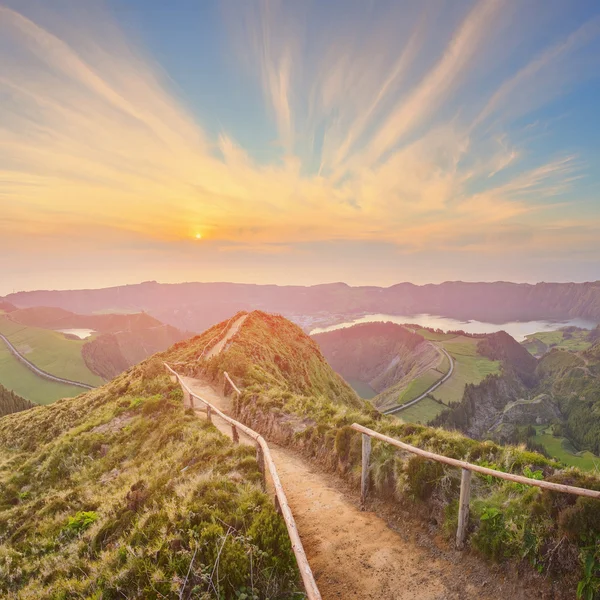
(354, 554)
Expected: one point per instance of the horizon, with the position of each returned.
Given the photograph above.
(327, 283)
(286, 142)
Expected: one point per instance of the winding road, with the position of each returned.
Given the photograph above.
(426, 393)
(39, 371)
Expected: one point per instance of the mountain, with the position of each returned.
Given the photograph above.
(196, 306)
(120, 493)
(11, 403)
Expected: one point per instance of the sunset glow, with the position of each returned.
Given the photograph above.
(416, 135)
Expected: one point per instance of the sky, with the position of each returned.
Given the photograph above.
(300, 142)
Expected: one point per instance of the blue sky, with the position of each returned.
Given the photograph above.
(298, 142)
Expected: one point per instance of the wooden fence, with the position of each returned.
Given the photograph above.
(465, 483)
(263, 457)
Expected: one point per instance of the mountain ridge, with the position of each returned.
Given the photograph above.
(194, 306)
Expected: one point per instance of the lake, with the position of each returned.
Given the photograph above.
(82, 334)
(517, 329)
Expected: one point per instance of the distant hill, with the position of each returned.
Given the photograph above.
(382, 355)
(57, 318)
(196, 306)
(11, 402)
(7, 306)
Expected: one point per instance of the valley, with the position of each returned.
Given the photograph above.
(49, 353)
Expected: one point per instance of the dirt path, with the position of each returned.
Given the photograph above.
(233, 329)
(353, 554)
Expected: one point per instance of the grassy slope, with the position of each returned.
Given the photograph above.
(15, 376)
(120, 493)
(49, 350)
(541, 342)
(469, 367)
(562, 449)
(422, 412)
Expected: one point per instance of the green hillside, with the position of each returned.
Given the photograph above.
(567, 338)
(15, 376)
(120, 493)
(470, 367)
(50, 351)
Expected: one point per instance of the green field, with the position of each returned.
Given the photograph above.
(434, 337)
(50, 350)
(422, 412)
(419, 385)
(15, 376)
(562, 449)
(543, 341)
(469, 367)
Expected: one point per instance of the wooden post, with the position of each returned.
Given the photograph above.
(235, 435)
(173, 378)
(187, 399)
(463, 508)
(364, 480)
(209, 413)
(260, 459)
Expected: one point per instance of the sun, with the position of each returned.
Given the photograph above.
(198, 236)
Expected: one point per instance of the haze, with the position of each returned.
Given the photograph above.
(297, 142)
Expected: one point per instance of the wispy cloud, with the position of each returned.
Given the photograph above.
(93, 138)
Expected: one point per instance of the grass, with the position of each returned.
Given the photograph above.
(469, 367)
(50, 350)
(422, 412)
(434, 337)
(120, 493)
(543, 341)
(562, 449)
(15, 376)
(419, 385)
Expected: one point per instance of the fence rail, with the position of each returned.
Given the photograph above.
(465, 485)
(263, 456)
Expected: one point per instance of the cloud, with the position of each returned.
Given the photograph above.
(96, 144)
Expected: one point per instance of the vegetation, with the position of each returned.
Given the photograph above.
(15, 376)
(573, 339)
(423, 412)
(289, 390)
(561, 448)
(419, 385)
(11, 402)
(50, 351)
(121, 493)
